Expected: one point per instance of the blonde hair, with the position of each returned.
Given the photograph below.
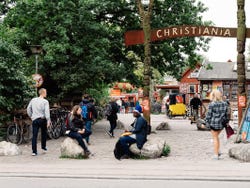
(216, 95)
(42, 91)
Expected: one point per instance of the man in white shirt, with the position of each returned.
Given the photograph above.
(38, 111)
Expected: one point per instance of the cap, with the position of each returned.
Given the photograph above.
(138, 109)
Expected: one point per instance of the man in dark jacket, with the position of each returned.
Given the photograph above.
(195, 104)
(137, 135)
(112, 117)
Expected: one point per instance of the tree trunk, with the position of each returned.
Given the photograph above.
(145, 14)
(241, 39)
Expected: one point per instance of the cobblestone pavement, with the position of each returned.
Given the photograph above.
(190, 157)
(186, 142)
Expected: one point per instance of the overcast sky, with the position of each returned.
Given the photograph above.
(223, 13)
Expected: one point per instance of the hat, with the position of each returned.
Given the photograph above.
(138, 109)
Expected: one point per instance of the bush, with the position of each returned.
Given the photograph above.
(166, 150)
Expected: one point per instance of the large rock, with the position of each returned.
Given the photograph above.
(151, 149)
(163, 126)
(120, 125)
(9, 149)
(240, 152)
(70, 148)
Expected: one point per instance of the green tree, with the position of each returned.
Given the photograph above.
(14, 85)
(83, 41)
(76, 47)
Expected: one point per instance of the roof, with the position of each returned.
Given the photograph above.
(220, 71)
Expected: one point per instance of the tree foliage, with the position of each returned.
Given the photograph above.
(14, 85)
(83, 40)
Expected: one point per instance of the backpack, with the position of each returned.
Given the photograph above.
(108, 110)
(67, 122)
(86, 114)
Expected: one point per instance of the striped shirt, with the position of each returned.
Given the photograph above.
(216, 111)
(38, 108)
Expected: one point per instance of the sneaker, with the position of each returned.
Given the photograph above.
(87, 153)
(109, 133)
(45, 150)
(34, 154)
(125, 157)
(216, 157)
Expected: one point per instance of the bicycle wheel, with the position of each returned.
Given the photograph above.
(50, 132)
(14, 134)
(27, 133)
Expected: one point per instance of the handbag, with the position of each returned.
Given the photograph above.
(229, 131)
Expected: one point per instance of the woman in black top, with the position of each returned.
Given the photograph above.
(77, 129)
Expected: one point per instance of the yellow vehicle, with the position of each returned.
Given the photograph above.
(177, 106)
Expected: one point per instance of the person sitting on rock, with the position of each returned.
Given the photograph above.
(137, 135)
(77, 128)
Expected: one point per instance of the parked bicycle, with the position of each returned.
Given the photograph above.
(58, 116)
(20, 130)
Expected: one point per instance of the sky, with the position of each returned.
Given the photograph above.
(223, 13)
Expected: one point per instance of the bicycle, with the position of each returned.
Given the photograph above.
(58, 117)
(19, 130)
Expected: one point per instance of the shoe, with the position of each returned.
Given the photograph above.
(216, 157)
(34, 154)
(44, 149)
(125, 157)
(87, 153)
(109, 133)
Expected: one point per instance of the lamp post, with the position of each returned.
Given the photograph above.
(36, 49)
(145, 11)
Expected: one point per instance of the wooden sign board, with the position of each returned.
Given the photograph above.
(137, 36)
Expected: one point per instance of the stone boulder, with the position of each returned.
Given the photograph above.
(120, 125)
(201, 125)
(151, 149)
(163, 126)
(240, 152)
(70, 148)
(9, 149)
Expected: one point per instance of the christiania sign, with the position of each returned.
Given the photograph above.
(137, 36)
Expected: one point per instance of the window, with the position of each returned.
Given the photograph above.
(191, 88)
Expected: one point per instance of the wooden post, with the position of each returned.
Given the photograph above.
(241, 39)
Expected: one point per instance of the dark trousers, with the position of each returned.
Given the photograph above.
(113, 124)
(126, 141)
(79, 137)
(88, 125)
(36, 124)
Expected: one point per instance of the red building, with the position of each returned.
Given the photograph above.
(189, 84)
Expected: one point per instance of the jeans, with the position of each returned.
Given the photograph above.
(36, 124)
(88, 124)
(113, 124)
(79, 137)
(126, 141)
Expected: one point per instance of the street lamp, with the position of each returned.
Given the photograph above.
(37, 49)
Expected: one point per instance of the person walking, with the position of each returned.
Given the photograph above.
(195, 104)
(38, 111)
(217, 113)
(90, 114)
(112, 117)
(77, 130)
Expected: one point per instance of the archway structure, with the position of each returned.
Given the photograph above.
(137, 36)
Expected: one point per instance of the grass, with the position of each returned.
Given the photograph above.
(75, 157)
(166, 150)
